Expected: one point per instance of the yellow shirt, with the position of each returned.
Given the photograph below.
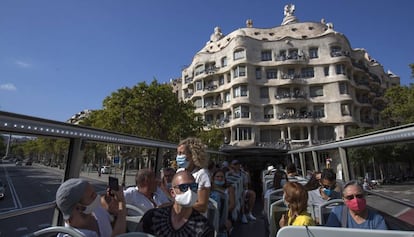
(303, 219)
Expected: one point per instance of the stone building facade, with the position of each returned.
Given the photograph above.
(299, 84)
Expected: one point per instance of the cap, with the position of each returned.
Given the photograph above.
(225, 164)
(235, 162)
(68, 194)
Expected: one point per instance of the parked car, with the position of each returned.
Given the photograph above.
(106, 170)
(19, 163)
(29, 162)
(2, 189)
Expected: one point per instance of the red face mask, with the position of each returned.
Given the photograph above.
(356, 204)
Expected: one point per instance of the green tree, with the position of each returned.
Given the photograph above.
(152, 111)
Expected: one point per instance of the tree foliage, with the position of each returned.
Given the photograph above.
(152, 111)
(400, 106)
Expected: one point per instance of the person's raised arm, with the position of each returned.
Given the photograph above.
(120, 222)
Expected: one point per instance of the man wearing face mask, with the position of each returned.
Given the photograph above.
(355, 214)
(81, 208)
(324, 193)
(179, 219)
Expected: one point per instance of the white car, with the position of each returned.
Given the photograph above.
(106, 170)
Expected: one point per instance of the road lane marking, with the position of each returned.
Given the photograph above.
(16, 200)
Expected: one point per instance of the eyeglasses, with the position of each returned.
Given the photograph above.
(350, 197)
(329, 186)
(184, 187)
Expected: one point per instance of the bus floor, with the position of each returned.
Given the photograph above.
(253, 228)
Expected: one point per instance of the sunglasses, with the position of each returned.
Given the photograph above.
(350, 197)
(184, 187)
(328, 187)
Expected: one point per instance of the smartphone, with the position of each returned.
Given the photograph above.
(113, 183)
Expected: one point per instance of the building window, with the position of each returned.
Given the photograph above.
(239, 54)
(243, 134)
(336, 51)
(258, 73)
(307, 72)
(326, 71)
(326, 133)
(241, 112)
(271, 74)
(199, 70)
(267, 55)
(293, 54)
(221, 80)
(340, 69)
(199, 86)
(343, 88)
(223, 61)
(240, 91)
(227, 96)
(313, 53)
(316, 91)
(264, 93)
(319, 111)
(268, 112)
(239, 71)
(345, 110)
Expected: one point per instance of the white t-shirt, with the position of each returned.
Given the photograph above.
(202, 177)
(104, 223)
(135, 198)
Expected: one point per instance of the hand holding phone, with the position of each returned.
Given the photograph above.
(113, 183)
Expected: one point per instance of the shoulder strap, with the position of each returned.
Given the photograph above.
(344, 219)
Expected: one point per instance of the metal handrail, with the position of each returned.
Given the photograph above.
(27, 210)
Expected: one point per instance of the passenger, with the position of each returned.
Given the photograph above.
(324, 193)
(220, 188)
(296, 199)
(144, 195)
(314, 181)
(292, 173)
(181, 218)
(248, 194)
(191, 156)
(279, 179)
(355, 214)
(165, 186)
(81, 209)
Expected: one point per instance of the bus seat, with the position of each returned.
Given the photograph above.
(132, 223)
(277, 209)
(213, 214)
(55, 230)
(273, 196)
(322, 231)
(326, 208)
(135, 234)
(134, 210)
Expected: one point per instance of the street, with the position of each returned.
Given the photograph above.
(28, 186)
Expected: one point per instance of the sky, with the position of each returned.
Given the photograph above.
(60, 57)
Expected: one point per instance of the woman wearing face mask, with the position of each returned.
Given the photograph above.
(179, 219)
(355, 214)
(296, 199)
(81, 209)
(222, 191)
(191, 156)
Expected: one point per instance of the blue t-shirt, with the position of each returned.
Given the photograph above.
(373, 221)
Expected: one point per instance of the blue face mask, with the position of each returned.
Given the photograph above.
(218, 182)
(328, 192)
(182, 161)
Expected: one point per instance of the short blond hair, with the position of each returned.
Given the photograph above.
(196, 148)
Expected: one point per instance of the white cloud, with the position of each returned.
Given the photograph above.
(8, 87)
(23, 64)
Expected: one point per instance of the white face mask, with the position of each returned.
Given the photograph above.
(187, 199)
(91, 207)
